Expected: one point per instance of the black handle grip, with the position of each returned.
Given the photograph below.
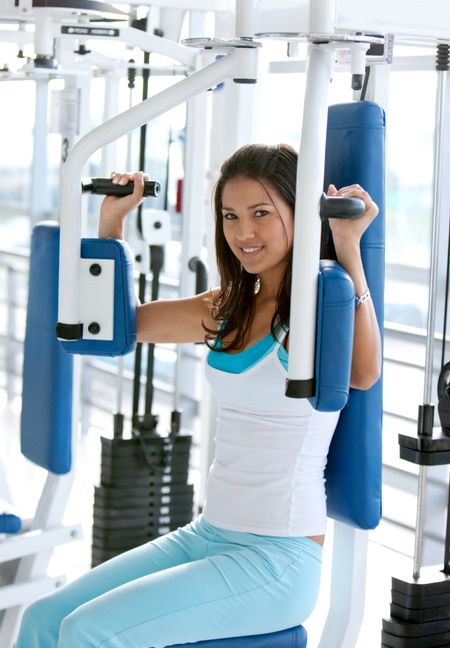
(201, 274)
(105, 187)
(335, 207)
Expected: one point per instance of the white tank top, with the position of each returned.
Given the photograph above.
(267, 476)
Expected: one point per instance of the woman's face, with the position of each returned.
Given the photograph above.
(258, 225)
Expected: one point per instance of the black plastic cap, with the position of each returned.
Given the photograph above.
(300, 388)
(69, 331)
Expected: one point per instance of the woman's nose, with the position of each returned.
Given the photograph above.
(246, 231)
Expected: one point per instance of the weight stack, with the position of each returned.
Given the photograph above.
(143, 492)
(420, 607)
(420, 612)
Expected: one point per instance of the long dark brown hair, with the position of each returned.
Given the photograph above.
(234, 304)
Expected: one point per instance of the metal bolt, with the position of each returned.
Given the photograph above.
(95, 269)
(94, 328)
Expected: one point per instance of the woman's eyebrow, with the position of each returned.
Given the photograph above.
(260, 204)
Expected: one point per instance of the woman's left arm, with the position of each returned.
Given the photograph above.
(366, 359)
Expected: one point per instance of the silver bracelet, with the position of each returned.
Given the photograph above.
(362, 298)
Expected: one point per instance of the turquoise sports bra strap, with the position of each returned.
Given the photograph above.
(279, 341)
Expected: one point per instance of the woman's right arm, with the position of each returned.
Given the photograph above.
(175, 320)
(171, 320)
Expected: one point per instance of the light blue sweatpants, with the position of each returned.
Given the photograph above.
(199, 582)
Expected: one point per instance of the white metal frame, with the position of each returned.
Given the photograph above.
(347, 592)
(307, 229)
(24, 557)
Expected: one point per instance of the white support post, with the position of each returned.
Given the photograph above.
(348, 584)
(306, 250)
(322, 16)
(111, 107)
(43, 35)
(193, 208)
(39, 203)
(245, 12)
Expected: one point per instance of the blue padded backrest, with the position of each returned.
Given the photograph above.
(355, 154)
(290, 638)
(124, 339)
(46, 421)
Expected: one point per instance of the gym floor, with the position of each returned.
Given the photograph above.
(26, 481)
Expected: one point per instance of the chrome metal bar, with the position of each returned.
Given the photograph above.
(431, 322)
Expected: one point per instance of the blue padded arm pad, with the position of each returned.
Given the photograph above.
(124, 336)
(355, 154)
(46, 420)
(334, 337)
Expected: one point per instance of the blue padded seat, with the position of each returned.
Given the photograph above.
(290, 638)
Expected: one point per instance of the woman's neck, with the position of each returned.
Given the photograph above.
(270, 282)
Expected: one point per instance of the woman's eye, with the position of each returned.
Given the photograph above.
(229, 216)
(261, 212)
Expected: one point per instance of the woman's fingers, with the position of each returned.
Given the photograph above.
(357, 191)
(116, 207)
(122, 178)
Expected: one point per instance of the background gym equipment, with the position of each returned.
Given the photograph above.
(144, 490)
(48, 429)
(420, 607)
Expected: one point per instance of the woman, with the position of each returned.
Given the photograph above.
(250, 563)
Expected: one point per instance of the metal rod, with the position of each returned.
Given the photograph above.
(138, 360)
(429, 353)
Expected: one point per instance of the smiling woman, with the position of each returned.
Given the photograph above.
(254, 204)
